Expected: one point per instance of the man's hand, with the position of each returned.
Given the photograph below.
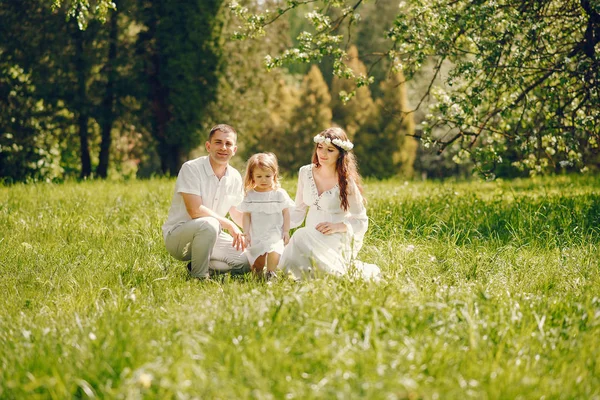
(248, 239)
(239, 241)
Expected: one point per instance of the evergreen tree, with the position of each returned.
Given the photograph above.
(181, 63)
(256, 102)
(56, 60)
(374, 149)
(383, 147)
(354, 113)
(277, 128)
(524, 75)
(310, 117)
(398, 124)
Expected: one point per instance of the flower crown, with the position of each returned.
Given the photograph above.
(343, 144)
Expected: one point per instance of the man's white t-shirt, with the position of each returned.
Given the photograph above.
(197, 177)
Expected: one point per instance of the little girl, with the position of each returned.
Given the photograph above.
(266, 220)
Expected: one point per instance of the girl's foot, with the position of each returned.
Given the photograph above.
(271, 276)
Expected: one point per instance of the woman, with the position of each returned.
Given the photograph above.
(337, 219)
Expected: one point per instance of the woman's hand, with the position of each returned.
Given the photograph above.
(328, 228)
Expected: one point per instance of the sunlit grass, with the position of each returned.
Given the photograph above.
(491, 290)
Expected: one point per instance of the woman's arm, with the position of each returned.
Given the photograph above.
(298, 213)
(356, 221)
(286, 225)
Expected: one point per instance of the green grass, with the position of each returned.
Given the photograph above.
(491, 291)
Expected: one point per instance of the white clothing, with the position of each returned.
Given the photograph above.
(207, 246)
(266, 221)
(309, 251)
(197, 177)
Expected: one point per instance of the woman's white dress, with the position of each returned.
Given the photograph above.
(266, 221)
(309, 251)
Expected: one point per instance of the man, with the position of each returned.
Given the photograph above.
(207, 188)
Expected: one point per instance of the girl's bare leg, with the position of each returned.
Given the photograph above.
(272, 261)
(259, 265)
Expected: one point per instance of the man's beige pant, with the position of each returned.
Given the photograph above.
(207, 246)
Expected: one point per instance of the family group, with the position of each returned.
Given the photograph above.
(329, 202)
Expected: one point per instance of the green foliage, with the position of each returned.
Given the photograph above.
(181, 54)
(256, 102)
(148, 77)
(490, 291)
(23, 153)
(397, 121)
(523, 77)
(275, 132)
(383, 146)
(38, 119)
(515, 81)
(354, 113)
(53, 74)
(84, 10)
(311, 116)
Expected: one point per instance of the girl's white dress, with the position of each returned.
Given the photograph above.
(309, 251)
(266, 221)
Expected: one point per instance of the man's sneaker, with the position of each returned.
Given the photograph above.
(271, 276)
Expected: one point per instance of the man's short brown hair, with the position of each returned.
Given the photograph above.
(223, 128)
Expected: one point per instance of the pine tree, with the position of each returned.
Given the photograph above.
(352, 115)
(277, 128)
(181, 50)
(310, 117)
(397, 124)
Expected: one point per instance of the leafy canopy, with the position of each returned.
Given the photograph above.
(523, 75)
(84, 10)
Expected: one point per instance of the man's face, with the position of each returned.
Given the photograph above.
(221, 147)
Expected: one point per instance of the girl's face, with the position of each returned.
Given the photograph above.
(327, 154)
(264, 179)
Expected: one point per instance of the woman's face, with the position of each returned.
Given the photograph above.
(327, 154)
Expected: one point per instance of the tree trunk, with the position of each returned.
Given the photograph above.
(83, 117)
(171, 158)
(169, 153)
(108, 103)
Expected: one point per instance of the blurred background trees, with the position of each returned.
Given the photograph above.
(131, 87)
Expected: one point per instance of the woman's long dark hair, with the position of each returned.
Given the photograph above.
(346, 168)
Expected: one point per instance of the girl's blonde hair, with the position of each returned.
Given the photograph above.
(264, 161)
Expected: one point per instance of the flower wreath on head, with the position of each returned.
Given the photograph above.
(342, 144)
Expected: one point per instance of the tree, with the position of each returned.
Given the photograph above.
(352, 114)
(108, 117)
(181, 63)
(398, 123)
(385, 142)
(524, 75)
(55, 58)
(77, 82)
(311, 116)
(85, 10)
(256, 102)
(283, 106)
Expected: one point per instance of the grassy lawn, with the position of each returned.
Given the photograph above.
(491, 291)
